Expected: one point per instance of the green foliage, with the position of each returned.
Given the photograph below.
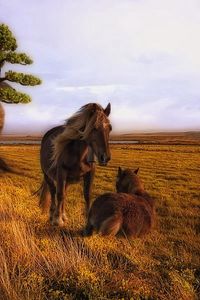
(7, 40)
(8, 95)
(8, 45)
(18, 58)
(14, 58)
(23, 79)
(3, 55)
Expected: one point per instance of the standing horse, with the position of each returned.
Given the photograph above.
(130, 210)
(67, 155)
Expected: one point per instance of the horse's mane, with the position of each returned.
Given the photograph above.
(78, 126)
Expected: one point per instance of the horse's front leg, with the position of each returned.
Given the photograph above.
(60, 197)
(87, 188)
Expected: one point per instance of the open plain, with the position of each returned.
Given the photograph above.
(39, 262)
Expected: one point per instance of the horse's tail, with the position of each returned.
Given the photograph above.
(4, 167)
(44, 196)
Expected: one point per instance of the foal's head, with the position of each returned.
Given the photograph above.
(128, 181)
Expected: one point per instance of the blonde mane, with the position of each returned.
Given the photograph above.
(78, 126)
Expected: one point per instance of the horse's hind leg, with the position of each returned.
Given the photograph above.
(110, 226)
(52, 189)
(60, 195)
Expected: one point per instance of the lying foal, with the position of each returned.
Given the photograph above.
(130, 210)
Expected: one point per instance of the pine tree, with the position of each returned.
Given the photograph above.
(8, 94)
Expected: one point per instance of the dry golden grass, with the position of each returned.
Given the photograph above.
(40, 262)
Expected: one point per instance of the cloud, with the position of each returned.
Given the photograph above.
(141, 55)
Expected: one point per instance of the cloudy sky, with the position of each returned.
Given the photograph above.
(143, 56)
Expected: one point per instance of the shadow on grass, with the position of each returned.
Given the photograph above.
(120, 261)
(49, 231)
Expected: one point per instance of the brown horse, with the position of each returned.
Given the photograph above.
(130, 210)
(67, 155)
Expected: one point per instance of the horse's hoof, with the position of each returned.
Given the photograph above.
(86, 232)
(57, 222)
(64, 218)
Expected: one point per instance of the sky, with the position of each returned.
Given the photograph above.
(142, 56)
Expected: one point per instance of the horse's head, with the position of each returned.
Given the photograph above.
(128, 181)
(98, 133)
(91, 124)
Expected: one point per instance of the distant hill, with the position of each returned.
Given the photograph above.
(11, 137)
(189, 137)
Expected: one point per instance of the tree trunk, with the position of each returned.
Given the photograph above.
(1, 117)
(3, 165)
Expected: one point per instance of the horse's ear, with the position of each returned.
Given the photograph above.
(136, 171)
(107, 110)
(119, 171)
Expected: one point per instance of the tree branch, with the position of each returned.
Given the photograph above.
(23, 79)
(5, 101)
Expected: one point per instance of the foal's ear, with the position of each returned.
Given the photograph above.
(119, 171)
(136, 171)
(107, 110)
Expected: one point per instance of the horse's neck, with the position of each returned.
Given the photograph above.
(90, 155)
(85, 152)
(77, 149)
(86, 158)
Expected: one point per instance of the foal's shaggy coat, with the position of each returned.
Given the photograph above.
(130, 210)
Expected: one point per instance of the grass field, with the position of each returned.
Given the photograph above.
(40, 262)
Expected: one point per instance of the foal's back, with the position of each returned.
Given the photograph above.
(130, 210)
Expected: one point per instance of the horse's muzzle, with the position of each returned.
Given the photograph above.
(103, 159)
